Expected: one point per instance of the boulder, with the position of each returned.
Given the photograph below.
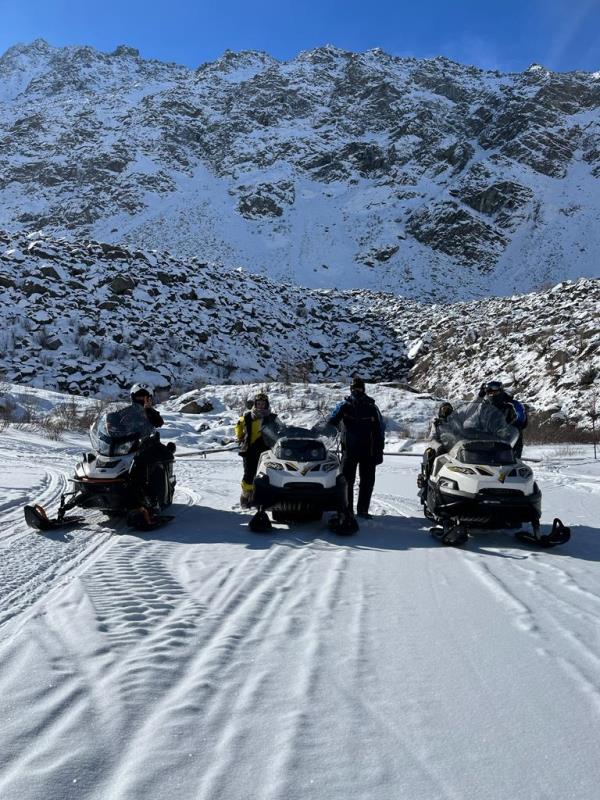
(50, 272)
(121, 284)
(194, 407)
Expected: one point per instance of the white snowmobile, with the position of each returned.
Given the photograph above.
(478, 483)
(120, 476)
(298, 479)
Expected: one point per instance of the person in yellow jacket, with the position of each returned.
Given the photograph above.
(249, 433)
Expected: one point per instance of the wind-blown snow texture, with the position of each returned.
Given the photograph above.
(334, 169)
(203, 661)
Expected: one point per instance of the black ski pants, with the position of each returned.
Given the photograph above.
(366, 471)
(251, 462)
(147, 480)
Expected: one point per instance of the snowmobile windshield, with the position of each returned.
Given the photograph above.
(302, 450)
(477, 421)
(119, 430)
(271, 431)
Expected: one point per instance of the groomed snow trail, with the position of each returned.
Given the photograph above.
(203, 661)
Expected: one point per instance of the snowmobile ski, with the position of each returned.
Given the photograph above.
(452, 536)
(260, 522)
(343, 524)
(141, 519)
(36, 517)
(559, 534)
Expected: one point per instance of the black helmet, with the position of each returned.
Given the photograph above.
(357, 383)
(493, 387)
(261, 397)
(445, 410)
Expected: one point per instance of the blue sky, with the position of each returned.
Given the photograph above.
(494, 34)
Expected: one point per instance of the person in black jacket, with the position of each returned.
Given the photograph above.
(142, 394)
(363, 433)
(435, 446)
(149, 481)
(514, 412)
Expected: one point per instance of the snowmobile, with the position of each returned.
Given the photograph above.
(298, 479)
(119, 477)
(477, 483)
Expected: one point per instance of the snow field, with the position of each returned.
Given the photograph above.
(204, 661)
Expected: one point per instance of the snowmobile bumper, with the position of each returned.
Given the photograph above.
(489, 508)
(299, 496)
(110, 495)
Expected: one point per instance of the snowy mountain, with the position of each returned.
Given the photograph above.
(92, 317)
(335, 169)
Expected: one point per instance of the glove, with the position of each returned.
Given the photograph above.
(481, 390)
(379, 457)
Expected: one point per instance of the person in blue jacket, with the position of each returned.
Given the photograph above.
(363, 435)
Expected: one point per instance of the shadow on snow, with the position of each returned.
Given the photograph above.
(205, 525)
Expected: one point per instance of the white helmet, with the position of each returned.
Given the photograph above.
(139, 388)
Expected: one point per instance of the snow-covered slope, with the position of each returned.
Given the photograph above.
(334, 169)
(204, 661)
(93, 317)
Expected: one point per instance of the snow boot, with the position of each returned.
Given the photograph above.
(245, 499)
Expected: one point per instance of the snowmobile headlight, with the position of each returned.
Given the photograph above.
(273, 465)
(446, 483)
(462, 470)
(329, 466)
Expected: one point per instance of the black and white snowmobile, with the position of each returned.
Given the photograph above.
(298, 479)
(121, 476)
(477, 483)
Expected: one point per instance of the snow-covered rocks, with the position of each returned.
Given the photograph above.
(179, 323)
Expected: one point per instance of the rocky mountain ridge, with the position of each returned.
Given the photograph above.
(420, 177)
(92, 317)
